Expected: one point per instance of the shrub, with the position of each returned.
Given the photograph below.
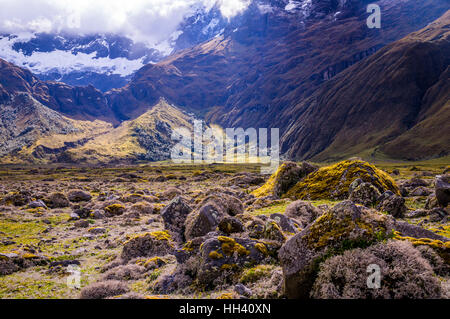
(404, 274)
(104, 289)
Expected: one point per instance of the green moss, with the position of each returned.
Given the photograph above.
(115, 209)
(215, 255)
(256, 273)
(229, 246)
(332, 182)
(268, 187)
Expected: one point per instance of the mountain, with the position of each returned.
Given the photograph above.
(248, 76)
(395, 103)
(334, 87)
(85, 103)
(105, 61)
(33, 133)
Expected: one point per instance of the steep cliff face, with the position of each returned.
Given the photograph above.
(394, 103)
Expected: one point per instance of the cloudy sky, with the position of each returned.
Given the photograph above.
(141, 20)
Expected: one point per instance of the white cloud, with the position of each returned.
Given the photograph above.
(148, 21)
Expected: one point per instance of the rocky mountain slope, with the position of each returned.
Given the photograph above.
(248, 75)
(315, 70)
(33, 133)
(395, 103)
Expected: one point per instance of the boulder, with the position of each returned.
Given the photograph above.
(78, 195)
(230, 225)
(393, 205)
(442, 189)
(287, 224)
(174, 216)
(158, 243)
(223, 257)
(420, 191)
(333, 182)
(344, 227)
(37, 204)
(206, 217)
(203, 220)
(302, 212)
(286, 176)
(365, 194)
(57, 200)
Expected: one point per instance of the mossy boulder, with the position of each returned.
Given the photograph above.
(115, 210)
(57, 200)
(206, 217)
(286, 176)
(223, 258)
(345, 226)
(158, 243)
(333, 182)
(365, 194)
(174, 216)
(78, 195)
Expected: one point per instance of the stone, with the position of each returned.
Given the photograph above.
(77, 195)
(442, 189)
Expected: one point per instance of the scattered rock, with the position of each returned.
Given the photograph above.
(365, 194)
(230, 225)
(442, 189)
(174, 216)
(81, 224)
(243, 291)
(303, 212)
(393, 205)
(77, 195)
(157, 243)
(37, 204)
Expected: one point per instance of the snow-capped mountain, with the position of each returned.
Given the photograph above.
(109, 60)
(104, 60)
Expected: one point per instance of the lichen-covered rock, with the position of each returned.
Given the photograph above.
(222, 258)
(203, 220)
(442, 189)
(393, 205)
(17, 198)
(287, 224)
(344, 227)
(158, 243)
(365, 194)
(272, 231)
(12, 262)
(303, 212)
(114, 210)
(230, 225)
(206, 217)
(174, 216)
(333, 182)
(420, 191)
(404, 274)
(57, 200)
(78, 195)
(37, 204)
(286, 176)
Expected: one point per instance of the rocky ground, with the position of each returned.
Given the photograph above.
(222, 231)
